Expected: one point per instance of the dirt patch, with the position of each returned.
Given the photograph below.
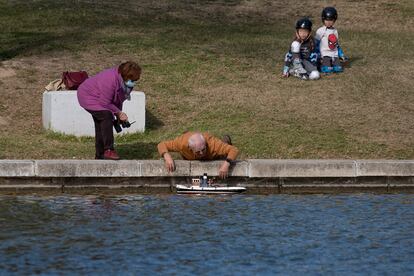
(6, 73)
(3, 121)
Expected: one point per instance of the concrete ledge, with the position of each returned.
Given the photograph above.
(258, 175)
(156, 168)
(238, 168)
(252, 168)
(385, 167)
(301, 168)
(16, 168)
(87, 168)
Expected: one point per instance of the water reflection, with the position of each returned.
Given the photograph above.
(243, 234)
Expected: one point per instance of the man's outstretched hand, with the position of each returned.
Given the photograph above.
(169, 162)
(224, 170)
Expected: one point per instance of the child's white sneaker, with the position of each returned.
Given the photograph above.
(314, 75)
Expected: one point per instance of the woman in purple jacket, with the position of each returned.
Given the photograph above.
(102, 95)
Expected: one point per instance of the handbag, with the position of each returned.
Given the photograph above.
(72, 80)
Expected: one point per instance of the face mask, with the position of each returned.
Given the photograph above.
(130, 83)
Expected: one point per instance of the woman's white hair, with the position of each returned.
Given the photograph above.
(196, 141)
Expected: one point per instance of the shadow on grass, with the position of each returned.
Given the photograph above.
(56, 25)
(20, 43)
(17, 43)
(352, 60)
(152, 122)
(137, 150)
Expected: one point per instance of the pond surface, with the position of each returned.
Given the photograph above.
(210, 235)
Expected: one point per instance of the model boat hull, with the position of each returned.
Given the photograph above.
(181, 189)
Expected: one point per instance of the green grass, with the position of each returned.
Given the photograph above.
(215, 66)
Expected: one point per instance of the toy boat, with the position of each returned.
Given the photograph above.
(203, 185)
(182, 189)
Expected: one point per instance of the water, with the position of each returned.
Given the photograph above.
(216, 235)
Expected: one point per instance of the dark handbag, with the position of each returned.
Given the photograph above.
(72, 80)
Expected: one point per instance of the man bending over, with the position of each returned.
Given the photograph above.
(199, 146)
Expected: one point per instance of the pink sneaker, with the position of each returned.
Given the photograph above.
(111, 155)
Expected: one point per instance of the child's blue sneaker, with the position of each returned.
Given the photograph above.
(327, 69)
(338, 69)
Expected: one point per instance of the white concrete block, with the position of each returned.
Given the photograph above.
(62, 113)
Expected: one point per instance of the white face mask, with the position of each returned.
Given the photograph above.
(130, 83)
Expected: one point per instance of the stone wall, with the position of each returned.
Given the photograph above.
(258, 175)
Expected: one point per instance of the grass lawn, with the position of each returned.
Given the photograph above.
(215, 66)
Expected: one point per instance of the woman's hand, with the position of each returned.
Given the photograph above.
(122, 116)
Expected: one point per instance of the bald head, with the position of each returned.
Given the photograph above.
(196, 142)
